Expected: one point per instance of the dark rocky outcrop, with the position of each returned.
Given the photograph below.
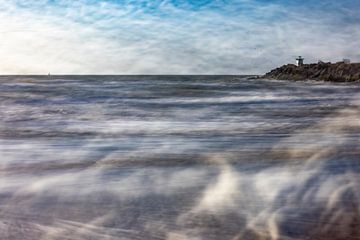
(336, 72)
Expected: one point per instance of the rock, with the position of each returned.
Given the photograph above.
(337, 72)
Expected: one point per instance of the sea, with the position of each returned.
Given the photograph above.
(177, 158)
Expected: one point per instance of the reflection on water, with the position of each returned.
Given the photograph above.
(136, 157)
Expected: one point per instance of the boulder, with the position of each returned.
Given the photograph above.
(337, 72)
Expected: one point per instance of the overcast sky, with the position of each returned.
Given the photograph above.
(173, 36)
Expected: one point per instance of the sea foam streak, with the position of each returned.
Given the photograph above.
(172, 158)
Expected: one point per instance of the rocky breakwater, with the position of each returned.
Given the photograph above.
(334, 72)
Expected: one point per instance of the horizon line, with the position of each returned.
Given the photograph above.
(46, 75)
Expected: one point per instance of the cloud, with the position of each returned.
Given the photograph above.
(169, 37)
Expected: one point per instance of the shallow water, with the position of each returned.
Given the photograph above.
(178, 157)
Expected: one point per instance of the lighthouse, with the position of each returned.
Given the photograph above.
(299, 61)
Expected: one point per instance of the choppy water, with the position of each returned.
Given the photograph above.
(130, 157)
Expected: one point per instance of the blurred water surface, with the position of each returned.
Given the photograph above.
(178, 157)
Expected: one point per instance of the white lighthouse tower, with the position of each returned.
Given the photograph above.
(299, 61)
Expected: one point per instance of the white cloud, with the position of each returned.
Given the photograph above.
(89, 37)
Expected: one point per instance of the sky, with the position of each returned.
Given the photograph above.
(173, 36)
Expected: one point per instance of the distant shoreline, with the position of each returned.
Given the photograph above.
(330, 72)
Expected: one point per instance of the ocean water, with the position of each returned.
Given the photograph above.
(178, 157)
